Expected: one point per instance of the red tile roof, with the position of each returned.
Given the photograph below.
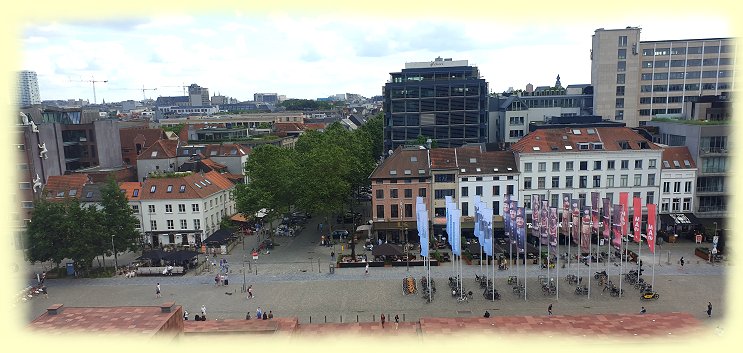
(314, 126)
(145, 136)
(443, 158)
(281, 129)
(680, 155)
(63, 186)
(161, 149)
(212, 164)
(194, 186)
(129, 188)
(556, 139)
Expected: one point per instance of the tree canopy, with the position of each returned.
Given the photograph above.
(305, 104)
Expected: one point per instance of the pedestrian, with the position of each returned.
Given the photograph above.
(157, 291)
(709, 309)
(250, 291)
(382, 320)
(247, 316)
(366, 270)
(258, 313)
(197, 318)
(203, 310)
(332, 256)
(265, 316)
(549, 309)
(397, 321)
(642, 310)
(46, 294)
(270, 314)
(487, 314)
(681, 261)
(216, 280)
(185, 315)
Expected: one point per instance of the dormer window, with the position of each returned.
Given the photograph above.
(413, 158)
(169, 189)
(154, 154)
(576, 131)
(60, 194)
(687, 164)
(182, 189)
(152, 189)
(666, 164)
(407, 172)
(535, 148)
(393, 172)
(624, 145)
(135, 193)
(73, 192)
(598, 146)
(421, 171)
(473, 160)
(676, 164)
(591, 131)
(89, 195)
(568, 147)
(582, 146)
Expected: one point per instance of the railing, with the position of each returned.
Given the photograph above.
(720, 208)
(713, 150)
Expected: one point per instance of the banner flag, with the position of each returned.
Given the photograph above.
(566, 215)
(585, 236)
(553, 231)
(514, 210)
(637, 219)
(456, 232)
(520, 230)
(651, 228)
(477, 231)
(617, 226)
(423, 230)
(595, 210)
(624, 203)
(487, 230)
(544, 228)
(576, 222)
(607, 218)
(507, 216)
(535, 203)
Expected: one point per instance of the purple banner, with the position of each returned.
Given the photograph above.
(607, 219)
(595, 210)
(553, 231)
(576, 222)
(544, 228)
(585, 234)
(617, 226)
(521, 229)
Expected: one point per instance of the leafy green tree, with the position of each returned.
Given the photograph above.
(117, 218)
(87, 235)
(373, 129)
(45, 242)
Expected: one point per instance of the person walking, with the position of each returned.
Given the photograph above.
(397, 321)
(549, 310)
(709, 309)
(157, 291)
(203, 310)
(44, 291)
(185, 315)
(382, 318)
(681, 261)
(487, 314)
(366, 269)
(250, 292)
(642, 310)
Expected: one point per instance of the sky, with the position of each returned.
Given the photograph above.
(237, 54)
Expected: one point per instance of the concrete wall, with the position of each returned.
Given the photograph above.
(108, 143)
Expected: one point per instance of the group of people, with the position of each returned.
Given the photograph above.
(383, 318)
(220, 279)
(260, 314)
(197, 317)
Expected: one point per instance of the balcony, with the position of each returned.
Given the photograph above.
(706, 151)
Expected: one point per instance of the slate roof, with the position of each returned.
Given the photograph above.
(567, 139)
(476, 161)
(677, 157)
(414, 161)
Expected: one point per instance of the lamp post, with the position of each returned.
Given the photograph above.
(715, 229)
(116, 259)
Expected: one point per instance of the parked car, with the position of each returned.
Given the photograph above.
(340, 234)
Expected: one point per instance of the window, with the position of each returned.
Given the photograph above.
(622, 54)
(569, 165)
(168, 208)
(651, 179)
(380, 211)
(393, 193)
(676, 205)
(687, 204)
(542, 166)
(596, 165)
(509, 189)
(394, 211)
(135, 208)
(496, 190)
(625, 164)
(27, 204)
(443, 193)
(666, 186)
(687, 187)
(584, 165)
(619, 103)
(664, 205)
(568, 182)
(555, 166)
(677, 187)
(555, 182)
(621, 66)
(151, 208)
(638, 164)
(153, 225)
(623, 180)
(622, 41)
(184, 224)
(465, 209)
(422, 192)
(527, 201)
(380, 193)
(540, 182)
(610, 181)
(496, 207)
(619, 115)
(408, 210)
(651, 164)
(583, 181)
(527, 167)
(195, 207)
(478, 190)
(444, 178)
(527, 183)
(638, 179)
(196, 224)
(620, 79)
(597, 181)
(169, 189)
(636, 194)
(152, 189)
(25, 186)
(620, 91)
(408, 193)
(465, 191)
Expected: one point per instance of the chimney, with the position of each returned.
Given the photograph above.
(54, 309)
(428, 144)
(167, 307)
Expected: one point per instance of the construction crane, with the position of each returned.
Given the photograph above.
(184, 88)
(93, 81)
(138, 89)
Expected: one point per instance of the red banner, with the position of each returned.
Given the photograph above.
(585, 234)
(595, 210)
(624, 202)
(651, 227)
(606, 220)
(637, 220)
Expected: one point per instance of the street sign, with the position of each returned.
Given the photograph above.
(255, 255)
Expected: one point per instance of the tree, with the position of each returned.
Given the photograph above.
(45, 242)
(373, 129)
(117, 218)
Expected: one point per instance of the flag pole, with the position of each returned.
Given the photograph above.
(590, 259)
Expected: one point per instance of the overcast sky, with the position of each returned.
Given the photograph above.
(236, 54)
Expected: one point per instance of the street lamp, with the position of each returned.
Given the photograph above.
(715, 229)
(116, 259)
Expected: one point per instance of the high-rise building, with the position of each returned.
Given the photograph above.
(266, 97)
(444, 100)
(198, 96)
(28, 89)
(635, 81)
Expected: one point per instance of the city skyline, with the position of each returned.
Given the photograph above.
(237, 54)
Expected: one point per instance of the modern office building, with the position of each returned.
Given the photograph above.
(198, 96)
(445, 100)
(28, 89)
(635, 80)
(266, 97)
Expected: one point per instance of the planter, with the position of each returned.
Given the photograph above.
(702, 252)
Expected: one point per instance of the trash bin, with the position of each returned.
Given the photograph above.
(70, 269)
(226, 281)
(332, 268)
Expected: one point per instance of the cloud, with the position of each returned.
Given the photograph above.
(116, 24)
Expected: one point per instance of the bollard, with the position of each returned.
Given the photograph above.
(326, 319)
(374, 318)
(310, 318)
(357, 318)
(341, 318)
(403, 316)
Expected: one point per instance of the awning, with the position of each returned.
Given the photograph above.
(680, 219)
(365, 227)
(387, 250)
(219, 237)
(238, 217)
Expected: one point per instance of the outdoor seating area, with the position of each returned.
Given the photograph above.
(164, 263)
(159, 270)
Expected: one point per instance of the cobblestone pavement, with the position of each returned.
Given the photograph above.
(293, 281)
